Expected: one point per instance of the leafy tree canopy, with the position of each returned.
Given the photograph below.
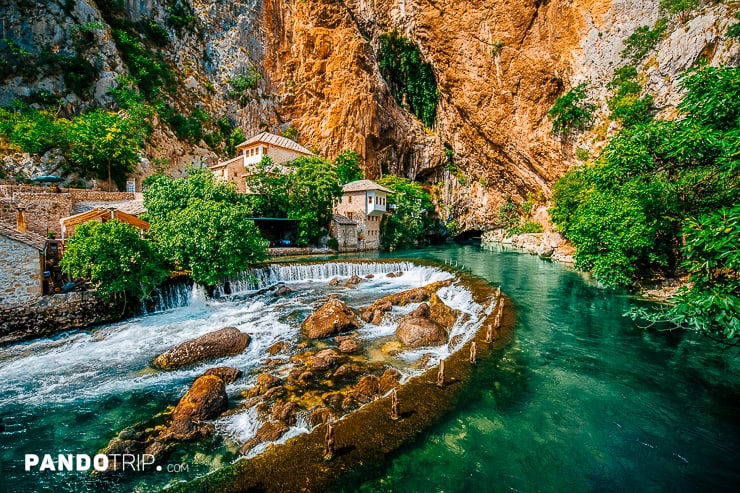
(410, 221)
(211, 239)
(104, 145)
(165, 195)
(114, 258)
(648, 204)
(200, 224)
(348, 167)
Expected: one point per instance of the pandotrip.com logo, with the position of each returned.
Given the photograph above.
(99, 463)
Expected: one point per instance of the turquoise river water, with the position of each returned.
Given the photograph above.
(581, 400)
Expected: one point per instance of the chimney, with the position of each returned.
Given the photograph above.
(20, 217)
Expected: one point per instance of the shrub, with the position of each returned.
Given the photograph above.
(626, 105)
(639, 43)
(333, 243)
(571, 111)
(531, 227)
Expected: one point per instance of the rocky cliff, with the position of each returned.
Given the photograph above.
(499, 66)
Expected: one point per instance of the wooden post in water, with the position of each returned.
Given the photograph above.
(329, 443)
(441, 374)
(394, 405)
(473, 352)
(489, 333)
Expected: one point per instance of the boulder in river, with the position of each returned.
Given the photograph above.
(225, 373)
(334, 317)
(354, 280)
(224, 342)
(283, 290)
(418, 330)
(206, 399)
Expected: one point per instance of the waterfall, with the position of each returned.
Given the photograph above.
(264, 277)
(180, 294)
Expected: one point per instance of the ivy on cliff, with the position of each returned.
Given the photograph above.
(410, 78)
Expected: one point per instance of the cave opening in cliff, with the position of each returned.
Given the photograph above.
(469, 235)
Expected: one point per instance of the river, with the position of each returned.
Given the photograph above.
(581, 400)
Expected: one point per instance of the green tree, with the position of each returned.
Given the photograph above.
(200, 225)
(348, 167)
(268, 187)
(313, 189)
(104, 145)
(665, 194)
(33, 131)
(114, 258)
(410, 221)
(211, 239)
(165, 195)
(709, 303)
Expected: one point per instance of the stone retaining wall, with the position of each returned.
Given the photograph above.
(57, 313)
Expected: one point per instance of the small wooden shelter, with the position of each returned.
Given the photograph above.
(102, 215)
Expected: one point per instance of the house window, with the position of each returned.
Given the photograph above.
(349, 199)
(349, 215)
(370, 200)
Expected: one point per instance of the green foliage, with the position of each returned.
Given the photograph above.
(509, 215)
(625, 213)
(710, 301)
(496, 46)
(643, 40)
(582, 154)
(33, 131)
(166, 195)
(312, 190)
(571, 111)
(306, 192)
(79, 74)
(734, 30)
(233, 139)
(410, 78)
(242, 84)
(153, 31)
(348, 167)
(148, 69)
(188, 128)
(200, 225)
(626, 105)
(530, 227)
(290, 133)
(211, 239)
(181, 17)
(333, 243)
(410, 220)
(104, 145)
(114, 258)
(681, 8)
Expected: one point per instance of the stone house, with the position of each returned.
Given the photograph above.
(279, 149)
(22, 269)
(364, 202)
(345, 231)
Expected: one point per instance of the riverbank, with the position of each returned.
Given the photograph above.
(545, 245)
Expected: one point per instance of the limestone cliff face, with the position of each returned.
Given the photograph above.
(499, 65)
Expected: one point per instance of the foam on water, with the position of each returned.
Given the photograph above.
(85, 367)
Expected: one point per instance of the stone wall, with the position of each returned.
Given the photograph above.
(57, 313)
(43, 210)
(20, 273)
(352, 205)
(280, 155)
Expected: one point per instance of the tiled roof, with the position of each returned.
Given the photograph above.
(275, 140)
(340, 219)
(29, 238)
(363, 185)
